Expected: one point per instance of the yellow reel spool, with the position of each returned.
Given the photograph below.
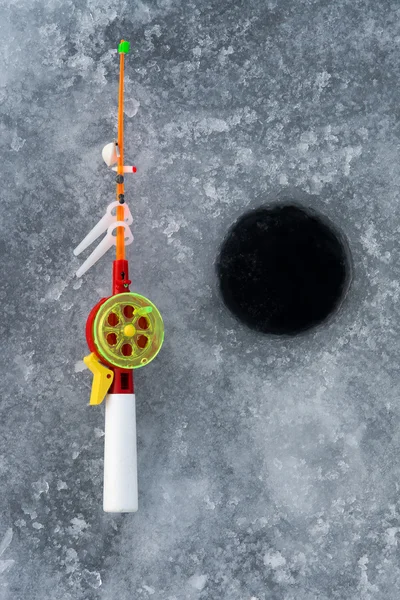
(128, 330)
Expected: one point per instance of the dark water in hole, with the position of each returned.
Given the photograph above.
(283, 269)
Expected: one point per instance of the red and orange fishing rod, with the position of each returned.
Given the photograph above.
(124, 331)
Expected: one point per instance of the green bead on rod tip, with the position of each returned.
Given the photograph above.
(124, 47)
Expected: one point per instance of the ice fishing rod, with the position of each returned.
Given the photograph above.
(124, 331)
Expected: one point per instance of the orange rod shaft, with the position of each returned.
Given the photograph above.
(120, 254)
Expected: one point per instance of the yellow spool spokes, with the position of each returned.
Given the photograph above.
(128, 330)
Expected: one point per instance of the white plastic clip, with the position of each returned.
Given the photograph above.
(103, 225)
(106, 243)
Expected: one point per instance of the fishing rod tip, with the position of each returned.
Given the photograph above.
(124, 47)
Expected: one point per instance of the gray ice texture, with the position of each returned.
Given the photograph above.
(269, 468)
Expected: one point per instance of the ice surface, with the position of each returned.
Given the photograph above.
(268, 469)
(6, 541)
(131, 106)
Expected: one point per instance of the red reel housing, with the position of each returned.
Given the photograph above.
(123, 378)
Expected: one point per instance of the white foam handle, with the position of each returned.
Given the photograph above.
(105, 244)
(120, 455)
(103, 225)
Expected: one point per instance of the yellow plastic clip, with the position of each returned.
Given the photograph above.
(102, 378)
